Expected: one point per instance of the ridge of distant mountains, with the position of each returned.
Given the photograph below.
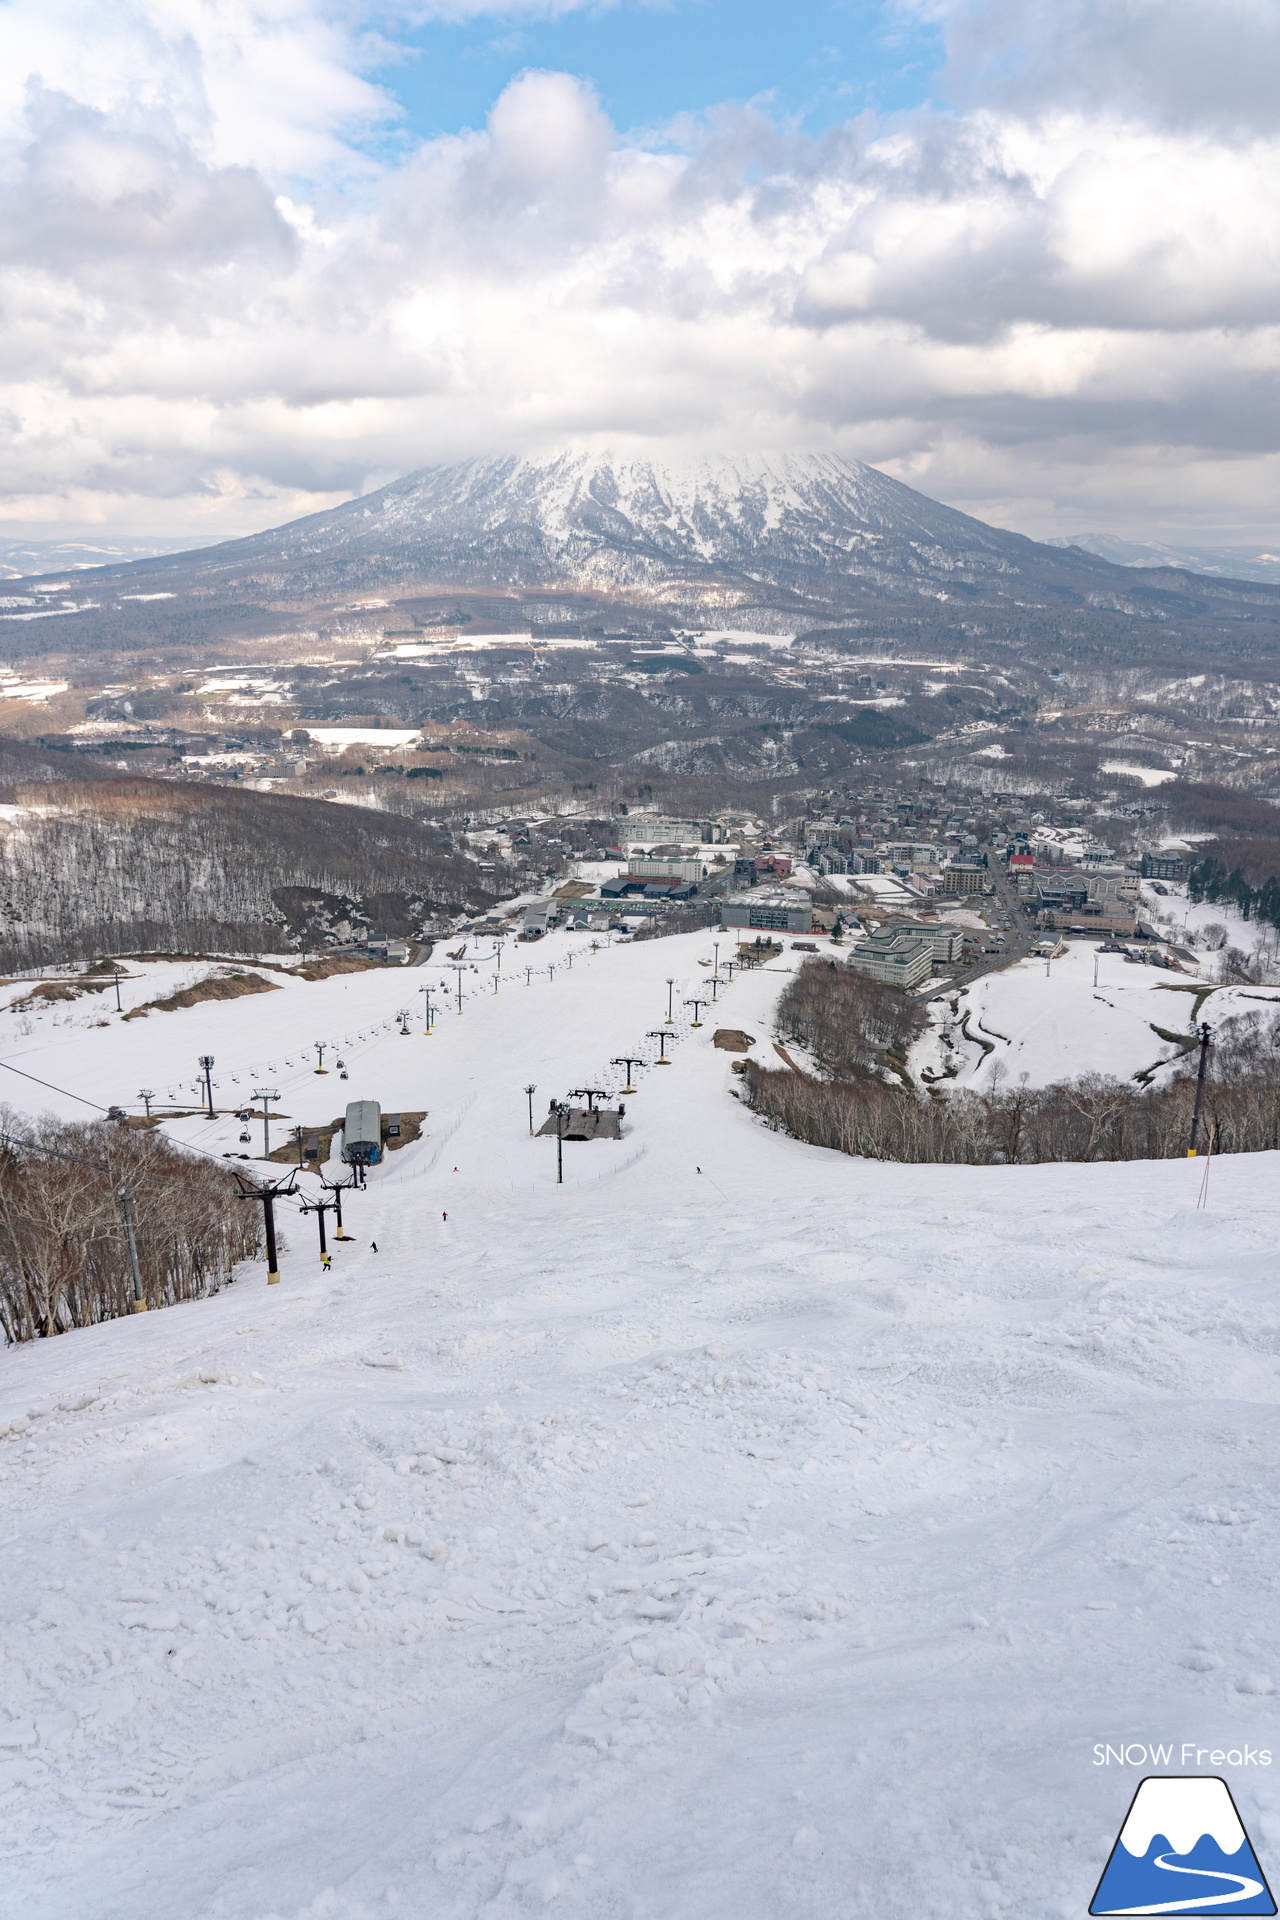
(799, 540)
(1228, 563)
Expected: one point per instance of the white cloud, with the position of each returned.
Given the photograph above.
(1053, 307)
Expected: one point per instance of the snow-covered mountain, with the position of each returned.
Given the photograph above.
(809, 537)
(1230, 563)
(644, 523)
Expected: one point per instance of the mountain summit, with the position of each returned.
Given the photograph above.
(645, 524)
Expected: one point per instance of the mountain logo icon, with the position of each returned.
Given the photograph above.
(1183, 1850)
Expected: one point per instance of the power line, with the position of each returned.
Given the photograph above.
(48, 1083)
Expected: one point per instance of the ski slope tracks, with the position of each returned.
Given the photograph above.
(737, 1531)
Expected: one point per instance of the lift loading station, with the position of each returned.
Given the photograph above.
(362, 1134)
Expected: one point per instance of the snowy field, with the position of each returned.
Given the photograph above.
(1085, 1012)
(738, 1531)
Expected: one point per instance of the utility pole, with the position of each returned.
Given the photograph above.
(146, 1096)
(697, 1006)
(268, 1196)
(320, 1047)
(531, 1089)
(137, 1304)
(206, 1066)
(628, 1060)
(661, 1035)
(671, 988)
(1195, 1117)
(266, 1096)
(117, 977)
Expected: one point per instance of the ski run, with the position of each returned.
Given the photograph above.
(737, 1531)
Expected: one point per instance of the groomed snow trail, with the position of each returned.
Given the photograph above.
(772, 1539)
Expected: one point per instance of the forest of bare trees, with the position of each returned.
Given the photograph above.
(845, 1020)
(857, 1110)
(64, 1254)
(112, 867)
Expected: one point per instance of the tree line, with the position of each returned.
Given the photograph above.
(1217, 879)
(64, 1252)
(1095, 1116)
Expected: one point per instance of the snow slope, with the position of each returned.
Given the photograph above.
(776, 1538)
(1051, 1022)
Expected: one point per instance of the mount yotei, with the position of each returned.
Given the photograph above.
(791, 541)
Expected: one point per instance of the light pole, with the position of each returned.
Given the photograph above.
(671, 988)
(266, 1096)
(206, 1065)
(1195, 1117)
(117, 977)
(531, 1089)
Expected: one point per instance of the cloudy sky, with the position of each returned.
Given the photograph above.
(257, 255)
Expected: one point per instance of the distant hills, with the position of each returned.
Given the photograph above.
(1231, 563)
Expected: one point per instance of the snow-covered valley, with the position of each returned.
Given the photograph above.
(737, 1530)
